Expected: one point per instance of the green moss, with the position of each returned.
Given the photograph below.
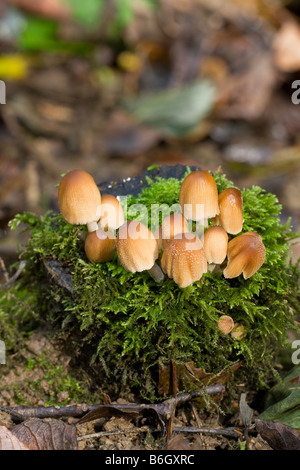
(127, 324)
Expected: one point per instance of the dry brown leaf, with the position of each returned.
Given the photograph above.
(8, 441)
(50, 435)
(279, 436)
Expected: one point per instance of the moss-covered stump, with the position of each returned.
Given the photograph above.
(130, 326)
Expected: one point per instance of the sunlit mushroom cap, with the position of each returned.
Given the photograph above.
(246, 254)
(136, 246)
(215, 243)
(184, 260)
(199, 188)
(231, 210)
(100, 246)
(112, 215)
(79, 198)
(171, 226)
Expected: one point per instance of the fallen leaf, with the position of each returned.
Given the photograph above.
(176, 111)
(190, 377)
(8, 441)
(279, 436)
(50, 435)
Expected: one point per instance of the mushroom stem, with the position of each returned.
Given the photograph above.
(211, 267)
(214, 268)
(92, 226)
(156, 273)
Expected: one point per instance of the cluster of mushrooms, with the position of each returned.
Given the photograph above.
(185, 257)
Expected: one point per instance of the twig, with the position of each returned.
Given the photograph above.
(14, 277)
(161, 412)
(3, 269)
(112, 433)
(14, 414)
(228, 432)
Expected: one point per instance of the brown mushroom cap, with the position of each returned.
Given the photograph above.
(199, 187)
(184, 259)
(172, 225)
(137, 247)
(246, 254)
(231, 210)
(79, 198)
(225, 324)
(158, 236)
(238, 331)
(100, 246)
(215, 243)
(112, 215)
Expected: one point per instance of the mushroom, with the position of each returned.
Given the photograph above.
(215, 243)
(79, 199)
(184, 259)
(100, 246)
(112, 215)
(138, 250)
(199, 187)
(238, 331)
(158, 237)
(172, 225)
(225, 324)
(246, 254)
(231, 211)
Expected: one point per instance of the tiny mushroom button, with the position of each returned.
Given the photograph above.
(79, 199)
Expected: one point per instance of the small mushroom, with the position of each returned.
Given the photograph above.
(79, 199)
(100, 246)
(112, 215)
(215, 243)
(231, 211)
(199, 187)
(138, 250)
(225, 324)
(172, 225)
(246, 254)
(238, 332)
(184, 259)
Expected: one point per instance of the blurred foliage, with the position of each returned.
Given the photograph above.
(41, 34)
(176, 111)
